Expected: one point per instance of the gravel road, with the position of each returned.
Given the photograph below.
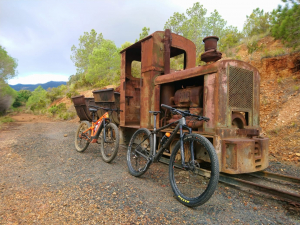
(44, 180)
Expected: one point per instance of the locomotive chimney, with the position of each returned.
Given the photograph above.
(211, 54)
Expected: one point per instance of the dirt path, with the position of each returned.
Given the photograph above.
(45, 181)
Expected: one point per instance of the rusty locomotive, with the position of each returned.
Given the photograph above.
(226, 91)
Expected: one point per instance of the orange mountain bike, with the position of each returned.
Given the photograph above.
(90, 133)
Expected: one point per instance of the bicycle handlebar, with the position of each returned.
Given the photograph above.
(185, 113)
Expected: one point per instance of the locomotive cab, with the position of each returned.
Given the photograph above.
(226, 91)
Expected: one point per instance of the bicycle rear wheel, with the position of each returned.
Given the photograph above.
(81, 142)
(110, 146)
(139, 151)
(194, 186)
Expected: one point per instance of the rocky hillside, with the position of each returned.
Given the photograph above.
(279, 96)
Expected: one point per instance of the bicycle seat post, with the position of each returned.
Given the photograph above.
(154, 129)
(93, 113)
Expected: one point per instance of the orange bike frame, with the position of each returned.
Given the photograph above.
(93, 131)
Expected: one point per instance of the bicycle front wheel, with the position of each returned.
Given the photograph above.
(194, 186)
(110, 145)
(139, 151)
(81, 142)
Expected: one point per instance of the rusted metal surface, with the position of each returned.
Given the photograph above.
(211, 54)
(81, 105)
(78, 100)
(247, 132)
(226, 91)
(188, 73)
(210, 42)
(108, 98)
(105, 95)
(167, 48)
(238, 120)
(89, 101)
(253, 181)
(243, 155)
(189, 97)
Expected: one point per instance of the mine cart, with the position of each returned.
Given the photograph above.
(226, 91)
(81, 105)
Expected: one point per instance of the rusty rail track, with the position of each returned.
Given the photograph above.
(281, 187)
(277, 186)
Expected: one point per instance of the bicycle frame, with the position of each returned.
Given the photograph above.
(181, 124)
(95, 134)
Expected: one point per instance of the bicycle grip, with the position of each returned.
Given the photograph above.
(166, 106)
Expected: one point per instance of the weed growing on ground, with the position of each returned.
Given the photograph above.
(274, 53)
(6, 119)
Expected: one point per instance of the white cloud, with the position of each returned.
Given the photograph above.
(40, 34)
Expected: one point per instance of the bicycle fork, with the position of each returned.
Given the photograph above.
(182, 123)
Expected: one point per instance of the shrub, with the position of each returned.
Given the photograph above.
(22, 97)
(71, 93)
(56, 109)
(274, 53)
(285, 23)
(6, 119)
(55, 93)
(67, 115)
(38, 99)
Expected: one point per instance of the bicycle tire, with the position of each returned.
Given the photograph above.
(190, 188)
(81, 144)
(137, 164)
(109, 149)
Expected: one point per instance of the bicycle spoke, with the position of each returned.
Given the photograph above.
(138, 153)
(110, 144)
(196, 181)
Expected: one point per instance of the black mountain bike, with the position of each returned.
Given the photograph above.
(193, 180)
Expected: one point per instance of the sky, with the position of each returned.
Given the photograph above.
(40, 34)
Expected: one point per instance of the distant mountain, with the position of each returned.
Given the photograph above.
(31, 87)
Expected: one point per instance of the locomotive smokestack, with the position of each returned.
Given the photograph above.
(211, 54)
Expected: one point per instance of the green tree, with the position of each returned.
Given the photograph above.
(126, 45)
(104, 63)
(145, 32)
(230, 38)
(38, 99)
(73, 79)
(285, 23)
(87, 43)
(195, 25)
(8, 65)
(7, 95)
(176, 23)
(55, 92)
(257, 23)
